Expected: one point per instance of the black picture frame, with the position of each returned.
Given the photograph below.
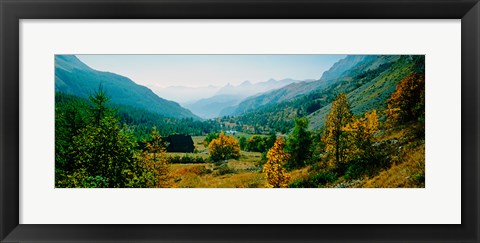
(12, 11)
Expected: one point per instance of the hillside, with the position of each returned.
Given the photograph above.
(139, 121)
(74, 77)
(368, 85)
(225, 100)
(301, 88)
(373, 88)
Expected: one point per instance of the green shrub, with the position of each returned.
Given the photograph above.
(314, 181)
(323, 178)
(210, 137)
(242, 141)
(354, 171)
(95, 182)
(186, 159)
(419, 177)
(260, 144)
(223, 169)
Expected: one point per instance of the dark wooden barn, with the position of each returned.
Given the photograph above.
(180, 143)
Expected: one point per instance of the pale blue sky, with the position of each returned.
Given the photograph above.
(204, 70)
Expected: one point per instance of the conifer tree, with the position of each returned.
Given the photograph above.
(299, 144)
(103, 149)
(99, 100)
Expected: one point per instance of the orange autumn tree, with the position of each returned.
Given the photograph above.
(224, 147)
(154, 164)
(276, 175)
(407, 103)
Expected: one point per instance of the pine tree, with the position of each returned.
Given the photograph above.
(103, 149)
(299, 144)
(99, 100)
(70, 118)
(277, 176)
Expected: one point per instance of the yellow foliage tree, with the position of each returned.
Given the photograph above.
(154, 164)
(335, 137)
(361, 132)
(224, 147)
(277, 176)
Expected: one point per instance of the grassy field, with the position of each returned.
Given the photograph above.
(245, 172)
(242, 173)
(407, 169)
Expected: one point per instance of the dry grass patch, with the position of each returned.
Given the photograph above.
(239, 173)
(241, 180)
(408, 173)
(195, 177)
(198, 143)
(302, 173)
(201, 155)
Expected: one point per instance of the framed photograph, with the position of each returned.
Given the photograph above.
(166, 121)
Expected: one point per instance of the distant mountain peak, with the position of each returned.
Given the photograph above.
(245, 83)
(343, 65)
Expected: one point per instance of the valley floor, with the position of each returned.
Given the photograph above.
(406, 171)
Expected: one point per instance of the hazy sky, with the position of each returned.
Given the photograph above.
(203, 70)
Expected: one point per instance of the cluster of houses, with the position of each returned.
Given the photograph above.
(233, 132)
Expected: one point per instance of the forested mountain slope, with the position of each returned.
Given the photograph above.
(74, 77)
(300, 88)
(368, 84)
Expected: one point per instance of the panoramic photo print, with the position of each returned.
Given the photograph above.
(240, 121)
